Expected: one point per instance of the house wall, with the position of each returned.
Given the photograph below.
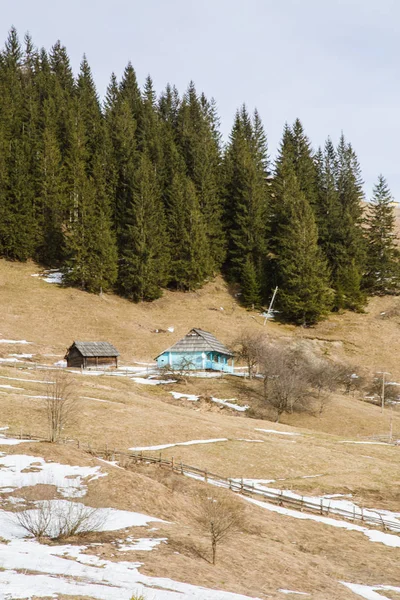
(76, 361)
(195, 361)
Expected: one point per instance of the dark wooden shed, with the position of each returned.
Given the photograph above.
(91, 354)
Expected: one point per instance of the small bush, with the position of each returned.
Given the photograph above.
(60, 519)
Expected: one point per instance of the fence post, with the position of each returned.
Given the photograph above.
(280, 502)
(205, 476)
(322, 506)
(172, 463)
(159, 460)
(181, 468)
(241, 485)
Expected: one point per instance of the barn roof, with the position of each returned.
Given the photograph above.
(100, 349)
(198, 340)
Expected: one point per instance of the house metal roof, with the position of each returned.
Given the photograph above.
(100, 349)
(198, 340)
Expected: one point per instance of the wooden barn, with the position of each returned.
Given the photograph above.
(82, 355)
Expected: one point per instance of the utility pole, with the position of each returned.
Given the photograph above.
(383, 373)
(268, 314)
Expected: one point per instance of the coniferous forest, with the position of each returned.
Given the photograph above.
(138, 193)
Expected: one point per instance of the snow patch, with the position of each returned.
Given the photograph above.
(141, 544)
(230, 404)
(190, 443)
(374, 535)
(278, 432)
(71, 481)
(13, 442)
(149, 381)
(368, 592)
(191, 397)
(283, 591)
(14, 342)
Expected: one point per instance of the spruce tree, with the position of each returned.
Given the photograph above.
(382, 275)
(304, 294)
(145, 253)
(197, 138)
(246, 193)
(350, 257)
(190, 254)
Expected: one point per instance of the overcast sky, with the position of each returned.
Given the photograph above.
(332, 63)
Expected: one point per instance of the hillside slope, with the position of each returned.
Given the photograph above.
(324, 456)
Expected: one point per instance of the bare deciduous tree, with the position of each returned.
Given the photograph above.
(249, 347)
(220, 516)
(286, 385)
(60, 404)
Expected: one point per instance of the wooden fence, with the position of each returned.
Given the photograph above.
(280, 497)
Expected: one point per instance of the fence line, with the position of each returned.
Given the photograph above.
(279, 497)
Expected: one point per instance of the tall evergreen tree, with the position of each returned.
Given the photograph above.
(382, 274)
(350, 257)
(145, 253)
(198, 140)
(246, 200)
(302, 274)
(190, 254)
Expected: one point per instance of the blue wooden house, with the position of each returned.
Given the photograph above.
(198, 350)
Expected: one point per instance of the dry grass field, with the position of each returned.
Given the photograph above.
(313, 455)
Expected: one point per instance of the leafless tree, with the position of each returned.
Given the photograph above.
(286, 385)
(60, 519)
(60, 404)
(249, 348)
(220, 515)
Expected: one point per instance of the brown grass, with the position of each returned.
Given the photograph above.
(275, 551)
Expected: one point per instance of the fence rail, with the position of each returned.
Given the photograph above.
(279, 497)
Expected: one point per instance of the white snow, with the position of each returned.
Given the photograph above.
(171, 329)
(13, 442)
(10, 360)
(332, 503)
(70, 481)
(99, 400)
(22, 355)
(246, 440)
(190, 443)
(50, 276)
(374, 535)
(69, 570)
(230, 403)
(14, 342)
(60, 363)
(6, 386)
(283, 591)
(369, 443)
(369, 592)
(191, 397)
(22, 379)
(85, 575)
(141, 544)
(152, 381)
(276, 431)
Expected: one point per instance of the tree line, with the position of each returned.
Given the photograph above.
(138, 193)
